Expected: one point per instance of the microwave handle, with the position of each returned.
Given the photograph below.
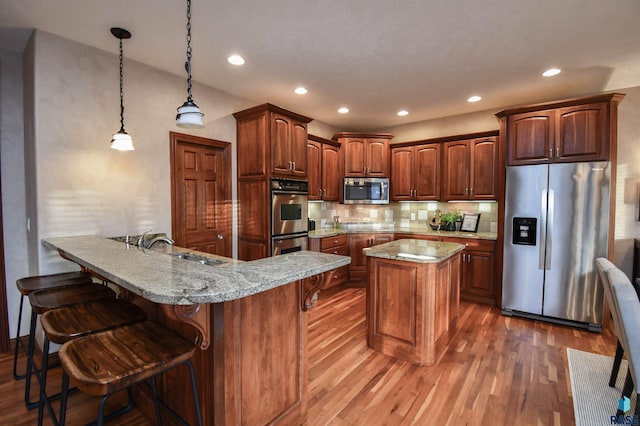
(383, 191)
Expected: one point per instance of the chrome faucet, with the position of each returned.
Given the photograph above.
(140, 241)
(157, 240)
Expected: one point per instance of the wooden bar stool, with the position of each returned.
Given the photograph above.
(45, 300)
(104, 363)
(28, 285)
(64, 324)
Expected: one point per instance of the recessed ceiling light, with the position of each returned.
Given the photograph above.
(236, 60)
(343, 110)
(403, 112)
(301, 90)
(474, 98)
(551, 72)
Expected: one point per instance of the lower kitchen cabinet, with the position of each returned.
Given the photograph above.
(357, 242)
(478, 274)
(334, 245)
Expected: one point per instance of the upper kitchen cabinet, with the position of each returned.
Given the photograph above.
(323, 168)
(271, 142)
(561, 132)
(470, 167)
(415, 172)
(365, 154)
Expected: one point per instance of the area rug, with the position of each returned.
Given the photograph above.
(594, 402)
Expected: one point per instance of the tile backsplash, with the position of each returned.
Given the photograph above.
(400, 214)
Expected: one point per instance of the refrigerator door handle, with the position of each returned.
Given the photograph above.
(549, 230)
(543, 229)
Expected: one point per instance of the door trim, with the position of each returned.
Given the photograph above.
(177, 138)
(5, 344)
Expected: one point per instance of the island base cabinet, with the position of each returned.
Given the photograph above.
(412, 307)
(254, 368)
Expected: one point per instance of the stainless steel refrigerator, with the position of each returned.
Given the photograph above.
(556, 225)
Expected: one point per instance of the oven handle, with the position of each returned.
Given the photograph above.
(280, 192)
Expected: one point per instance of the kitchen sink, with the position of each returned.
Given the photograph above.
(196, 258)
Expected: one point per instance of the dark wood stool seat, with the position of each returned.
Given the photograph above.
(104, 363)
(70, 322)
(64, 324)
(42, 282)
(45, 300)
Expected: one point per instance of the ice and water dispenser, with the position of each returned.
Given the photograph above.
(524, 231)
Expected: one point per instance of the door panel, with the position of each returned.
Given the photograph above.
(402, 160)
(201, 192)
(427, 171)
(577, 233)
(523, 279)
(330, 172)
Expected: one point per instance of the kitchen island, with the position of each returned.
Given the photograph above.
(413, 293)
(248, 318)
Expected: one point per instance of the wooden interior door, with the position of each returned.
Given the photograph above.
(201, 194)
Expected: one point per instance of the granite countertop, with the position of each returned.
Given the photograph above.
(419, 251)
(162, 277)
(330, 232)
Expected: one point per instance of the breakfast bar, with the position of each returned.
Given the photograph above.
(248, 319)
(413, 293)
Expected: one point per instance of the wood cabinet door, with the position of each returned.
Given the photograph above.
(331, 176)
(483, 183)
(581, 133)
(377, 157)
(354, 160)
(402, 173)
(280, 143)
(478, 274)
(357, 242)
(427, 172)
(530, 138)
(298, 149)
(314, 169)
(456, 170)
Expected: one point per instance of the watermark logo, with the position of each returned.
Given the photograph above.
(624, 405)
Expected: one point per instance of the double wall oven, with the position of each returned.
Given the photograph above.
(289, 221)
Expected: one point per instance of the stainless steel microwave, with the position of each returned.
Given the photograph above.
(366, 191)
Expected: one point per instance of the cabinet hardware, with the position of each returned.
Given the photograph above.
(466, 192)
(294, 165)
(557, 152)
(220, 236)
(471, 192)
(550, 153)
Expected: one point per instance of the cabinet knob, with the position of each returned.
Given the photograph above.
(220, 236)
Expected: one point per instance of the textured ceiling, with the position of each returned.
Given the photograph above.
(374, 56)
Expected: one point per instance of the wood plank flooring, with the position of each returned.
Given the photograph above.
(500, 370)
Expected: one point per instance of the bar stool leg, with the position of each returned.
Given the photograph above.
(63, 399)
(156, 401)
(195, 392)
(17, 376)
(30, 365)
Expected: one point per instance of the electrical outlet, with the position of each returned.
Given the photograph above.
(413, 216)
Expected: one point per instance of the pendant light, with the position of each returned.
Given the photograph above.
(121, 140)
(189, 114)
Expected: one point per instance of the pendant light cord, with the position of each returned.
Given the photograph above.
(187, 64)
(121, 93)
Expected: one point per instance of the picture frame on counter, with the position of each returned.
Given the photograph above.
(470, 222)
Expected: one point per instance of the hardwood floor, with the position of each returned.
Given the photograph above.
(500, 370)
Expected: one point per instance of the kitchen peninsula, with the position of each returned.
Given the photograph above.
(412, 298)
(248, 318)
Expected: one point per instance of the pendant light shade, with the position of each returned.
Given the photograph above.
(189, 115)
(121, 139)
